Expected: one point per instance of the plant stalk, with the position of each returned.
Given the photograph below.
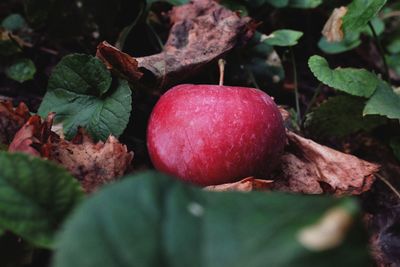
(296, 89)
(381, 51)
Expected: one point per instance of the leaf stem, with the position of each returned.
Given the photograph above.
(383, 179)
(381, 51)
(312, 101)
(221, 65)
(296, 89)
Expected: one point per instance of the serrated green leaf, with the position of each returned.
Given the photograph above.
(340, 116)
(35, 197)
(384, 102)
(347, 44)
(13, 22)
(283, 37)
(81, 74)
(152, 220)
(21, 70)
(359, 13)
(304, 3)
(80, 94)
(357, 82)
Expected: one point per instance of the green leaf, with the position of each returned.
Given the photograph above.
(7, 46)
(35, 197)
(22, 70)
(283, 38)
(304, 3)
(379, 27)
(394, 62)
(340, 116)
(80, 94)
(357, 82)
(235, 6)
(152, 220)
(394, 46)
(395, 145)
(13, 22)
(359, 13)
(384, 102)
(346, 44)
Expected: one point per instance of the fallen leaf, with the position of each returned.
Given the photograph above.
(311, 168)
(202, 31)
(32, 135)
(245, 185)
(332, 30)
(11, 120)
(93, 164)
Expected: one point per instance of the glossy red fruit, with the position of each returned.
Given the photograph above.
(211, 134)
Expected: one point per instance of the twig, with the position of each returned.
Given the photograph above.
(296, 89)
(381, 51)
(383, 179)
(221, 65)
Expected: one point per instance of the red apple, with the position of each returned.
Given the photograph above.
(212, 134)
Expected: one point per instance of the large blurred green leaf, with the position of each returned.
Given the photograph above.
(385, 101)
(359, 13)
(152, 220)
(35, 197)
(349, 42)
(340, 116)
(81, 94)
(357, 82)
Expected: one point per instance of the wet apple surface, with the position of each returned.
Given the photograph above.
(212, 134)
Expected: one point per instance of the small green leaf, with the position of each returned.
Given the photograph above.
(395, 145)
(22, 70)
(235, 6)
(359, 13)
(349, 42)
(152, 220)
(384, 102)
(80, 94)
(283, 38)
(304, 3)
(13, 22)
(357, 82)
(394, 46)
(35, 197)
(340, 116)
(379, 27)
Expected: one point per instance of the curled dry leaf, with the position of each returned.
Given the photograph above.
(202, 31)
(311, 168)
(93, 164)
(245, 185)
(32, 135)
(11, 120)
(332, 30)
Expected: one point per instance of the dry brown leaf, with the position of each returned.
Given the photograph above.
(332, 30)
(93, 164)
(245, 185)
(311, 168)
(11, 120)
(202, 31)
(32, 135)
(118, 61)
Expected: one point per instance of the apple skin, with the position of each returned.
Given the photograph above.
(212, 134)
